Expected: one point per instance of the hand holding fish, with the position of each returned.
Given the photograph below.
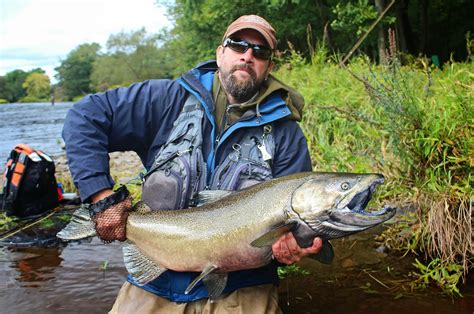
(287, 251)
(110, 214)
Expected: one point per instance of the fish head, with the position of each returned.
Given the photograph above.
(333, 204)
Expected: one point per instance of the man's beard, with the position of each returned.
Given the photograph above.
(242, 90)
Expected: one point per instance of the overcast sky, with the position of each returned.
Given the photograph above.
(40, 33)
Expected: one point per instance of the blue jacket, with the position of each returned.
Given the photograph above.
(140, 117)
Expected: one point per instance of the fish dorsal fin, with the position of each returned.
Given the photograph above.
(215, 284)
(142, 208)
(209, 196)
(206, 272)
(326, 255)
(139, 266)
(271, 236)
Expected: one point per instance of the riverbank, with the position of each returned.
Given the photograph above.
(124, 166)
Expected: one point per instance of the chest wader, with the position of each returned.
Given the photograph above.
(179, 173)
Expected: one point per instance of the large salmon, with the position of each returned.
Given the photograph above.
(235, 230)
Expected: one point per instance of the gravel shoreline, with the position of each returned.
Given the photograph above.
(123, 167)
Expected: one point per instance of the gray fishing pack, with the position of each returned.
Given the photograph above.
(179, 171)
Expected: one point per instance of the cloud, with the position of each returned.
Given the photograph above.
(40, 33)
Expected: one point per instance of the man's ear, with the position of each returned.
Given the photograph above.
(219, 52)
(271, 64)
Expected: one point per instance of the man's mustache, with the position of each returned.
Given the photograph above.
(246, 67)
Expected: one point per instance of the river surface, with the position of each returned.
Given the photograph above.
(85, 277)
(36, 124)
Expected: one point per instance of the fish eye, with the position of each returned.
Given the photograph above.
(345, 186)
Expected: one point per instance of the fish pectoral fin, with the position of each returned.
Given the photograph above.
(215, 282)
(209, 196)
(271, 236)
(326, 255)
(207, 272)
(142, 268)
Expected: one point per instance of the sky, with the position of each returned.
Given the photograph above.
(40, 33)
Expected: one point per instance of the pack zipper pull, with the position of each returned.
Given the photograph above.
(263, 149)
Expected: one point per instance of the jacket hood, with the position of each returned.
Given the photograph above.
(293, 99)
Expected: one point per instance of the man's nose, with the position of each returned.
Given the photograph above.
(248, 55)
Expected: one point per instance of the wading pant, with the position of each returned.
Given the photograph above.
(255, 300)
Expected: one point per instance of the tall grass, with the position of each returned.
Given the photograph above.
(414, 123)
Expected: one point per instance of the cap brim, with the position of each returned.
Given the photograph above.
(262, 32)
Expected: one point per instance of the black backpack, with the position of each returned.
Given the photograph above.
(30, 187)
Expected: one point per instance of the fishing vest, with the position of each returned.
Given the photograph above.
(179, 171)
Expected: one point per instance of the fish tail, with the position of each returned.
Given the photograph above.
(79, 227)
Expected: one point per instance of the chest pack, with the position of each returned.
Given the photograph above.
(179, 171)
(29, 187)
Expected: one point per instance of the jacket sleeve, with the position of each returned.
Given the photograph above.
(124, 119)
(291, 150)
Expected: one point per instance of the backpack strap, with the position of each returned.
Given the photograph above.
(23, 148)
(15, 176)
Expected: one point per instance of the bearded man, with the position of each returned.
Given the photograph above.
(234, 123)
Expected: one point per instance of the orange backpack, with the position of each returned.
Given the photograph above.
(30, 187)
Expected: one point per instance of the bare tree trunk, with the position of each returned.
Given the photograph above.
(404, 30)
(381, 42)
(423, 48)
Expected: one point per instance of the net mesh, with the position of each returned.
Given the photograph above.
(111, 224)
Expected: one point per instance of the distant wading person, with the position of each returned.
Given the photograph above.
(226, 113)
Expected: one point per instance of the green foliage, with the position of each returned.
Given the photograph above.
(37, 85)
(446, 276)
(337, 122)
(411, 123)
(3, 101)
(104, 265)
(30, 99)
(352, 16)
(7, 222)
(290, 271)
(13, 85)
(75, 71)
(131, 57)
(47, 223)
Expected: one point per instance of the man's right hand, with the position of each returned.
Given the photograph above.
(111, 223)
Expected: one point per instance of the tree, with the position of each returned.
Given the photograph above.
(131, 57)
(75, 71)
(37, 86)
(14, 85)
(422, 26)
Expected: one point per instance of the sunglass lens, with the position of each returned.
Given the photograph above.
(240, 47)
(262, 53)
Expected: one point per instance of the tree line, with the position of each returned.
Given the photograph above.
(438, 29)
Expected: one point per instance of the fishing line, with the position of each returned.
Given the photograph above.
(33, 222)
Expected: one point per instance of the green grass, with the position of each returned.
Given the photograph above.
(413, 123)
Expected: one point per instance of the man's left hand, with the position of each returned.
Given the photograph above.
(287, 251)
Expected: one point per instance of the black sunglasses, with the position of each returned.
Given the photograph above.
(241, 46)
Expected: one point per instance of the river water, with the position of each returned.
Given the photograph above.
(85, 277)
(38, 125)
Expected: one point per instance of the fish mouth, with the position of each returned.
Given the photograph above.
(354, 215)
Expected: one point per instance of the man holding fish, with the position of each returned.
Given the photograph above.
(224, 125)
